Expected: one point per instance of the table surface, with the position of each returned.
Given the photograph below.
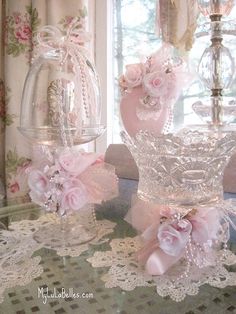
(77, 273)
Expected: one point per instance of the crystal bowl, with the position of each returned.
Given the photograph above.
(181, 169)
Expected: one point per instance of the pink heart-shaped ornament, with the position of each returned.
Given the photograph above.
(131, 122)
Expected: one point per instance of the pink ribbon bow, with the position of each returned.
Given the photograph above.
(166, 244)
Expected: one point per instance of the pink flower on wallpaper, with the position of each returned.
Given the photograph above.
(17, 17)
(23, 33)
(21, 176)
(19, 28)
(14, 187)
(68, 19)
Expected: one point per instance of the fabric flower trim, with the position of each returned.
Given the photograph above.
(161, 76)
(191, 235)
(68, 179)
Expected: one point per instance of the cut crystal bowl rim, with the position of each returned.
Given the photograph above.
(185, 142)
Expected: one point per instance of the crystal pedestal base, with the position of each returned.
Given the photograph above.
(70, 235)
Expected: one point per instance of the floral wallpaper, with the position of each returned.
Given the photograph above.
(16, 174)
(19, 30)
(21, 23)
(5, 117)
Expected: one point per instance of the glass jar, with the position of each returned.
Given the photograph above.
(61, 102)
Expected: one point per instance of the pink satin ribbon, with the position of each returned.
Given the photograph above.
(156, 261)
(165, 243)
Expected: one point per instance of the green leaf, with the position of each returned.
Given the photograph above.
(11, 161)
(83, 12)
(22, 160)
(35, 21)
(34, 14)
(12, 156)
(28, 9)
(13, 49)
(8, 120)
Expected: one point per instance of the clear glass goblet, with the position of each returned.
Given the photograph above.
(61, 107)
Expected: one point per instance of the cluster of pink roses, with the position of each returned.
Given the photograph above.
(177, 234)
(23, 33)
(161, 76)
(174, 233)
(19, 27)
(70, 180)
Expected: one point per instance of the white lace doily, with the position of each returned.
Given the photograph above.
(19, 274)
(15, 248)
(124, 271)
(16, 265)
(28, 228)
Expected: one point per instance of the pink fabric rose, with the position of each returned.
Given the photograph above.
(74, 198)
(174, 237)
(23, 33)
(37, 181)
(159, 84)
(75, 163)
(206, 223)
(133, 75)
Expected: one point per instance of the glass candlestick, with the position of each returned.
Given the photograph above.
(216, 7)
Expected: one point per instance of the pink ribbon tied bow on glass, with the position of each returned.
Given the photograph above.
(176, 236)
(52, 37)
(67, 47)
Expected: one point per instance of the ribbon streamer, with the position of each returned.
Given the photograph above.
(68, 46)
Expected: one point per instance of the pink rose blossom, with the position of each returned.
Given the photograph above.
(17, 18)
(173, 237)
(133, 75)
(37, 181)
(23, 33)
(74, 198)
(68, 19)
(167, 212)
(75, 163)
(68, 160)
(57, 183)
(14, 187)
(21, 175)
(71, 183)
(158, 84)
